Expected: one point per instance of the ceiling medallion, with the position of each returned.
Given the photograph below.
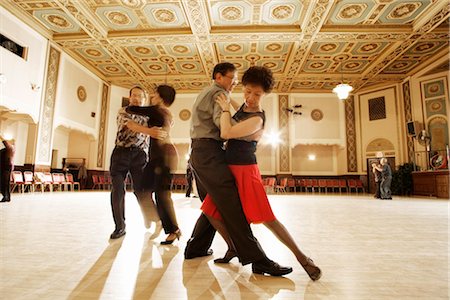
(93, 52)
(164, 15)
(404, 11)
(231, 13)
(131, 3)
(352, 11)
(282, 12)
(233, 48)
(273, 47)
(185, 114)
(328, 47)
(180, 49)
(142, 50)
(81, 93)
(188, 66)
(58, 21)
(317, 114)
(118, 18)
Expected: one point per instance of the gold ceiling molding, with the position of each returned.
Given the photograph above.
(376, 42)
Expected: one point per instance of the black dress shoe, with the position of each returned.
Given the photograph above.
(5, 200)
(195, 255)
(117, 234)
(270, 267)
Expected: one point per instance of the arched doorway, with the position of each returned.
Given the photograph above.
(375, 150)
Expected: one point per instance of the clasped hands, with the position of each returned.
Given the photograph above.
(155, 131)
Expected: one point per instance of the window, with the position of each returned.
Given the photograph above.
(13, 47)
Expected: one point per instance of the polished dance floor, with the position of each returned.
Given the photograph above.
(56, 246)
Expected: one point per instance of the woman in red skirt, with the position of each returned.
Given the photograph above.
(243, 131)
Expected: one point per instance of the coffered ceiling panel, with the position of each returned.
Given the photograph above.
(309, 45)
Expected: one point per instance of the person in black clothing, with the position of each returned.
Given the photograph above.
(377, 178)
(189, 178)
(213, 177)
(130, 156)
(6, 167)
(163, 157)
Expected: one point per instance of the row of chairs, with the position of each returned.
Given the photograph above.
(45, 181)
(312, 185)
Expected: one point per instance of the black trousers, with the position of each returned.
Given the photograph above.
(213, 177)
(378, 189)
(4, 183)
(157, 178)
(124, 160)
(189, 178)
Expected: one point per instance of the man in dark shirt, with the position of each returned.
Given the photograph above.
(213, 177)
(6, 167)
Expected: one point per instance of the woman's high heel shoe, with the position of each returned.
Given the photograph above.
(312, 270)
(226, 259)
(172, 237)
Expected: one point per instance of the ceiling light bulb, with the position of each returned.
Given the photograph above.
(342, 90)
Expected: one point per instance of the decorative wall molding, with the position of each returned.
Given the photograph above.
(103, 127)
(45, 131)
(408, 117)
(352, 162)
(283, 127)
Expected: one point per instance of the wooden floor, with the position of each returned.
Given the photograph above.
(56, 246)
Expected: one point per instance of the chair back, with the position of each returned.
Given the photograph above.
(28, 176)
(69, 177)
(17, 177)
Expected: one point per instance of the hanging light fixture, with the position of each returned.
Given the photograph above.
(342, 90)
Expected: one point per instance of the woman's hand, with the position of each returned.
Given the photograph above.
(157, 133)
(223, 101)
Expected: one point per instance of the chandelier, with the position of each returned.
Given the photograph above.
(342, 90)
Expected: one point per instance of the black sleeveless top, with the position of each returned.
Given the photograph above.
(242, 152)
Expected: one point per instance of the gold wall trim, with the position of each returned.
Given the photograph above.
(352, 163)
(45, 131)
(102, 128)
(283, 127)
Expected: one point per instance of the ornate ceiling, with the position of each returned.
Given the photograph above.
(310, 45)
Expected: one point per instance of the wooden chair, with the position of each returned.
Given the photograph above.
(17, 181)
(282, 186)
(69, 178)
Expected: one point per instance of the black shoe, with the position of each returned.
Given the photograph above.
(117, 234)
(175, 236)
(226, 259)
(195, 255)
(270, 267)
(5, 199)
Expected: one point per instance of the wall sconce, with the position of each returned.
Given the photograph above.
(34, 87)
(294, 110)
(2, 78)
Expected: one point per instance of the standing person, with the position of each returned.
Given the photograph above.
(6, 167)
(213, 177)
(377, 178)
(386, 179)
(189, 178)
(129, 155)
(82, 174)
(157, 175)
(243, 132)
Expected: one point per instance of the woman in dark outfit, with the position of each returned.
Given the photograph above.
(162, 157)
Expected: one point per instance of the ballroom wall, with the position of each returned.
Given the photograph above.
(16, 93)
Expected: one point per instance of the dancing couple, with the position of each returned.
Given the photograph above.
(228, 181)
(143, 149)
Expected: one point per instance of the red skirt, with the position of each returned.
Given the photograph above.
(254, 199)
